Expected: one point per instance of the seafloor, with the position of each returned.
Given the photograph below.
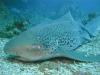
(51, 67)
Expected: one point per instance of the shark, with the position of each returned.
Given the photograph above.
(57, 38)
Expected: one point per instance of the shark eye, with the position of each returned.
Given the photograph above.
(36, 46)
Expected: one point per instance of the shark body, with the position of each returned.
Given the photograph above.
(59, 38)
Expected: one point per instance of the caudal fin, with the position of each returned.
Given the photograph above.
(93, 27)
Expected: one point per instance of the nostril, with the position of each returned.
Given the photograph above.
(36, 47)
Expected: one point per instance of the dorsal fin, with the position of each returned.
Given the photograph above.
(67, 17)
(93, 27)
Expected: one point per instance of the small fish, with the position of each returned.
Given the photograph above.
(58, 38)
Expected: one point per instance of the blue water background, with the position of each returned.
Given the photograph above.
(52, 8)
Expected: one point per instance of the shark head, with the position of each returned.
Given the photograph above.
(26, 47)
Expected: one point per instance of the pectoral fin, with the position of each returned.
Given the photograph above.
(82, 56)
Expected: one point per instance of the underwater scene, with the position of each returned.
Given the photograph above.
(49, 37)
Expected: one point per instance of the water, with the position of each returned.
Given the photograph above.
(18, 16)
(51, 8)
(53, 5)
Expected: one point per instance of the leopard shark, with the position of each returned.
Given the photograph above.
(58, 38)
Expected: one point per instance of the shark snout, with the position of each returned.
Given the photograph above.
(9, 50)
(24, 51)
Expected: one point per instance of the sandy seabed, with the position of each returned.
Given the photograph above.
(50, 67)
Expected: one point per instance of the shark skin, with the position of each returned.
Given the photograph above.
(60, 38)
